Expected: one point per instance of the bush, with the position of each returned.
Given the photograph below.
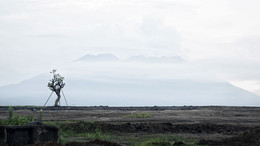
(16, 119)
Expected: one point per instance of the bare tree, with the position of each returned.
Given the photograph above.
(56, 84)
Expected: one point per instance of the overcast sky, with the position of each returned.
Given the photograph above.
(220, 36)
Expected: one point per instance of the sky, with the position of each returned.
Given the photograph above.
(219, 36)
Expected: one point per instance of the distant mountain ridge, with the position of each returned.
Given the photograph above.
(98, 58)
(140, 58)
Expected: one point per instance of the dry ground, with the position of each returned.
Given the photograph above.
(207, 123)
(248, 116)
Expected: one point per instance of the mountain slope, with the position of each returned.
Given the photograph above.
(127, 83)
(107, 91)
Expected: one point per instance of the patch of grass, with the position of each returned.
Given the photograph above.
(57, 123)
(79, 129)
(16, 119)
(158, 141)
(164, 140)
(97, 134)
(82, 131)
(138, 115)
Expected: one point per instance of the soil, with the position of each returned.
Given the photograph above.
(91, 143)
(212, 125)
(245, 116)
(198, 128)
(249, 138)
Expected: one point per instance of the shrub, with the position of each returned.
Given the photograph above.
(20, 120)
(16, 119)
(40, 116)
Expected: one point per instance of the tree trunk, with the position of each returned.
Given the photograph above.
(58, 99)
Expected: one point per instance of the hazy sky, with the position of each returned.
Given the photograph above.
(220, 36)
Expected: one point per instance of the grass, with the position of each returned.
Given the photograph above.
(157, 141)
(67, 136)
(81, 131)
(162, 140)
(16, 119)
(138, 115)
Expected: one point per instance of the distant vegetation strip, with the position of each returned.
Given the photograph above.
(138, 115)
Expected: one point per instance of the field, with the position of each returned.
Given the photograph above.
(157, 125)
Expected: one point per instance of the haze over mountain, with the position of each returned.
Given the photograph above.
(163, 59)
(106, 57)
(218, 42)
(106, 80)
(97, 58)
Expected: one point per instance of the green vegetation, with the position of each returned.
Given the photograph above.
(164, 140)
(40, 116)
(10, 114)
(157, 141)
(138, 115)
(82, 131)
(65, 135)
(16, 119)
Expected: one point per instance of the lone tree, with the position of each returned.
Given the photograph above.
(56, 84)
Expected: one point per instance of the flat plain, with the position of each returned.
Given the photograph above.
(204, 124)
